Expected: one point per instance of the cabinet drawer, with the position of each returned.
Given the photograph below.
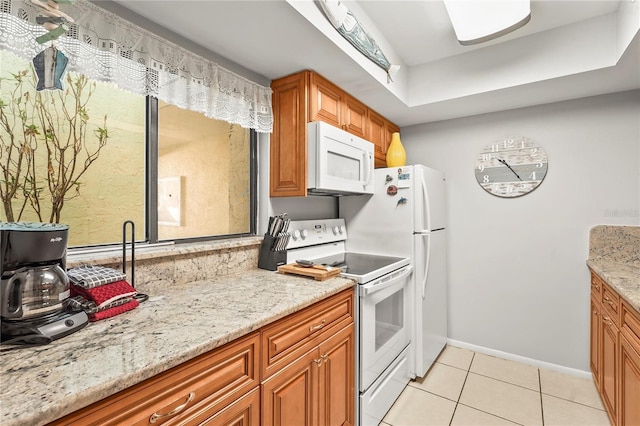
(596, 286)
(204, 384)
(611, 303)
(631, 323)
(286, 339)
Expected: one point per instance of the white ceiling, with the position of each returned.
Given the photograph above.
(569, 49)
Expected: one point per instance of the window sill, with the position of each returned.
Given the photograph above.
(160, 251)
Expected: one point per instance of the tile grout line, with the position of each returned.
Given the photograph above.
(461, 389)
(540, 388)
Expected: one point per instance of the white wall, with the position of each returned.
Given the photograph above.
(518, 282)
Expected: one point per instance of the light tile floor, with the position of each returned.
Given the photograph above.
(472, 389)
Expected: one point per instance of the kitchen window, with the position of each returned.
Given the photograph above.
(177, 174)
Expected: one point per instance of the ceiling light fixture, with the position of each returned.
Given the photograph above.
(477, 21)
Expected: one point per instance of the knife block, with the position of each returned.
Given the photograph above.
(269, 259)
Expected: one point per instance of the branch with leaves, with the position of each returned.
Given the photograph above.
(58, 123)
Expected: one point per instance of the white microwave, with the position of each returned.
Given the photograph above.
(338, 162)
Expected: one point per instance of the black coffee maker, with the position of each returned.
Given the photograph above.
(34, 287)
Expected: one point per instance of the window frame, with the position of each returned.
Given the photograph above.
(151, 183)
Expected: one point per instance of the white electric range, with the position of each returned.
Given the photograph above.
(382, 311)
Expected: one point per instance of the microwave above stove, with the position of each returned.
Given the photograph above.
(338, 162)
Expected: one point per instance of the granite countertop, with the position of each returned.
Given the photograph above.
(622, 277)
(43, 383)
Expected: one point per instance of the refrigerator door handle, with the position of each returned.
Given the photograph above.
(426, 215)
(426, 265)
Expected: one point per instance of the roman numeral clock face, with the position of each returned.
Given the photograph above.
(512, 167)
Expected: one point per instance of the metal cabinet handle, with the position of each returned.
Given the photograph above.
(596, 286)
(323, 358)
(317, 327)
(155, 416)
(609, 301)
(607, 321)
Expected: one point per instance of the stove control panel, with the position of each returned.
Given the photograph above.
(306, 233)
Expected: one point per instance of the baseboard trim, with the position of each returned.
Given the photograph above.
(523, 359)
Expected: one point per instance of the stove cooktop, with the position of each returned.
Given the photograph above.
(363, 267)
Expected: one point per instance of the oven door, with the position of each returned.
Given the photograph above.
(383, 323)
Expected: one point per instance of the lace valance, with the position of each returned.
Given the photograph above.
(105, 47)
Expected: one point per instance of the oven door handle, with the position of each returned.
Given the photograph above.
(385, 282)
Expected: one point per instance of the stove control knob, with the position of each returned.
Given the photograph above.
(304, 233)
(296, 235)
(341, 229)
(336, 230)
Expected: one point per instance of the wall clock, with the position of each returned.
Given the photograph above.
(511, 167)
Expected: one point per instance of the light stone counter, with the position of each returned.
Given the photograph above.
(614, 254)
(176, 324)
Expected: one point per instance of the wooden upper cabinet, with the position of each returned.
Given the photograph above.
(379, 132)
(304, 97)
(354, 116)
(288, 152)
(325, 101)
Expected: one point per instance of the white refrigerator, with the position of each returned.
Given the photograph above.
(406, 217)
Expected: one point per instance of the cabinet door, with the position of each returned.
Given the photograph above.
(596, 326)
(288, 148)
(337, 387)
(290, 396)
(378, 135)
(354, 116)
(609, 366)
(629, 382)
(325, 101)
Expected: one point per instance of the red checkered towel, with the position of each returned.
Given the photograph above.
(108, 313)
(105, 294)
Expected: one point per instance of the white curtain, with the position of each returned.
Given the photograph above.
(105, 47)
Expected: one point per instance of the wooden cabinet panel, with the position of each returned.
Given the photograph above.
(284, 340)
(197, 388)
(596, 344)
(337, 384)
(629, 412)
(610, 370)
(378, 135)
(243, 412)
(288, 150)
(325, 101)
(596, 287)
(610, 302)
(288, 398)
(355, 116)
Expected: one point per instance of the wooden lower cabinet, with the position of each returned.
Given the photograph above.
(315, 389)
(308, 366)
(615, 353)
(306, 378)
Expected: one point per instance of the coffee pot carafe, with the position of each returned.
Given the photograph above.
(34, 287)
(33, 292)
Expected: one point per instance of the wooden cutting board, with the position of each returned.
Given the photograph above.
(317, 272)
